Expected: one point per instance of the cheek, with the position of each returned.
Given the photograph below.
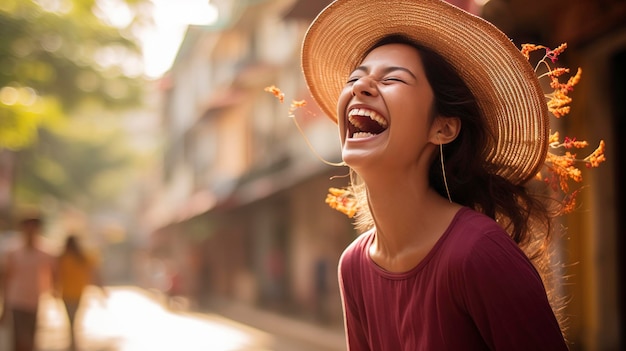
(342, 101)
(341, 129)
(342, 104)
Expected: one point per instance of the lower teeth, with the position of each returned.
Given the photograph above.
(362, 135)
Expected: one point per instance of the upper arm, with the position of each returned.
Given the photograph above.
(506, 298)
(355, 331)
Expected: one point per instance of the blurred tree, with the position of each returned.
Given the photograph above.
(62, 61)
(86, 169)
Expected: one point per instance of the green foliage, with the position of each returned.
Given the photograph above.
(77, 165)
(60, 64)
(60, 58)
(19, 121)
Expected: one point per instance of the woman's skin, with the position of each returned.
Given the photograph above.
(393, 159)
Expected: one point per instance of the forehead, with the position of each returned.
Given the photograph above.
(403, 55)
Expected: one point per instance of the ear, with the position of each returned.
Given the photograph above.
(445, 129)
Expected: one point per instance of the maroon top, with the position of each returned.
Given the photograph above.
(475, 290)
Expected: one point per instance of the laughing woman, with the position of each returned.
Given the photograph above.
(443, 122)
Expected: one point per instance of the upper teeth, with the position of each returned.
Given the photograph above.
(368, 113)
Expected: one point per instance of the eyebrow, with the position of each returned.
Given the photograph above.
(386, 70)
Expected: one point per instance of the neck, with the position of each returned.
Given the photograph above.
(409, 217)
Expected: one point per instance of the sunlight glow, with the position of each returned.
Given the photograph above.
(132, 319)
(171, 18)
(58, 6)
(161, 40)
(113, 12)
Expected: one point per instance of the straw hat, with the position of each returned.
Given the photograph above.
(504, 83)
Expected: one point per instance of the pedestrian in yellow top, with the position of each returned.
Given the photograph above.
(76, 271)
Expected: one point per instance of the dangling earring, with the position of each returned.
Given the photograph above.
(443, 169)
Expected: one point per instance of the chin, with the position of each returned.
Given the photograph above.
(360, 160)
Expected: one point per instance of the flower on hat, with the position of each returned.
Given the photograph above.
(560, 168)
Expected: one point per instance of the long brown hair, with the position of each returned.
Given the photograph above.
(72, 247)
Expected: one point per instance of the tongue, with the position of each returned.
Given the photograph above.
(366, 124)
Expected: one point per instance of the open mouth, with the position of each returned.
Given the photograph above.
(365, 123)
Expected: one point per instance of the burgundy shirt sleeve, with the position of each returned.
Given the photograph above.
(506, 298)
(355, 330)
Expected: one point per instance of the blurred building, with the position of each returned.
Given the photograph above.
(236, 210)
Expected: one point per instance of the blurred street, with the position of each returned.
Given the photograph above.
(133, 319)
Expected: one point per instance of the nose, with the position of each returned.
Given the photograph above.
(364, 86)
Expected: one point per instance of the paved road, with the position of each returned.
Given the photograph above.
(133, 319)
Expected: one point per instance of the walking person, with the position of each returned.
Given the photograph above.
(76, 271)
(442, 122)
(28, 273)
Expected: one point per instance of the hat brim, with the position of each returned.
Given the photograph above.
(504, 83)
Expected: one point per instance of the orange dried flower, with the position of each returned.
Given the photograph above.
(276, 92)
(562, 168)
(553, 54)
(296, 104)
(528, 48)
(572, 143)
(596, 157)
(554, 138)
(558, 100)
(575, 79)
(342, 200)
(557, 72)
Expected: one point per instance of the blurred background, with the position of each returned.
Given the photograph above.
(143, 127)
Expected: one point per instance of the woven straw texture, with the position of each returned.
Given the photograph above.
(499, 76)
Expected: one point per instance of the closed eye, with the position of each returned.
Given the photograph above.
(352, 80)
(394, 79)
